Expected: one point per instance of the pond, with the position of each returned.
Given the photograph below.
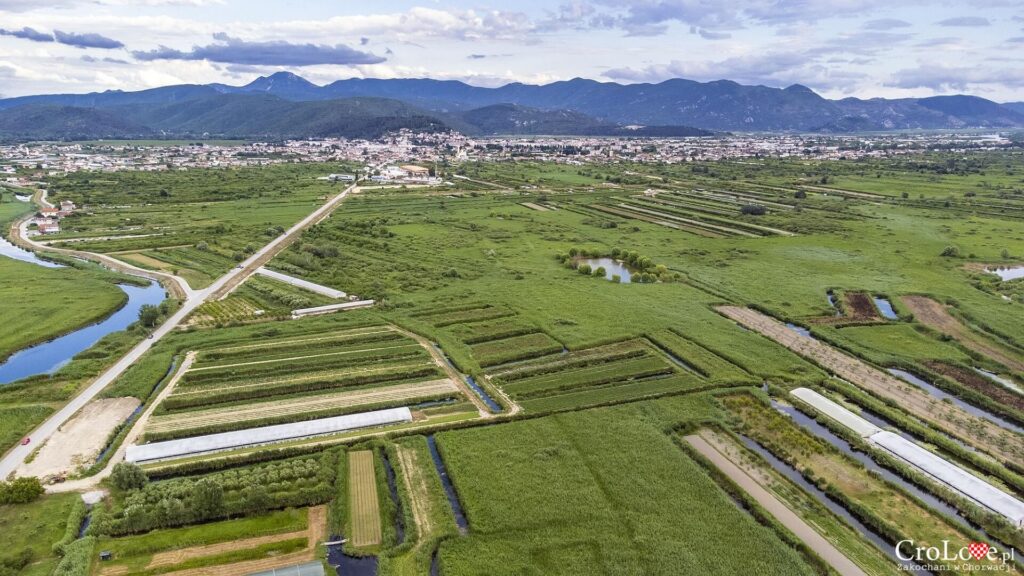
(885, 307)
(611, 267)
(1007, 272)
(11, 251)
(50, 356)
(832, 302)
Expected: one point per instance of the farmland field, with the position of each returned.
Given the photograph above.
(559, 402)
(363, 506)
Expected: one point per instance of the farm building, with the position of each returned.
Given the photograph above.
(264, 435)
(933, 466)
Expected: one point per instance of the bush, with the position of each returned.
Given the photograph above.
(950, 252)
(77, 558)
(20, 491)
(753, 210)
(128, 476)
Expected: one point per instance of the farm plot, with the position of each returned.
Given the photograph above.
(459, 315)
(935, 315)
(698, 358)
(506, 350)
(237, 417)
(298, 378)
(220, 312)
(487, 330)
(979, 432)
(559, 496)
(619, 371)
(364, 508)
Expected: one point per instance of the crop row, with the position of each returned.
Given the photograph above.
(698, 358)
(487, 330)
(613, 394)
(313, 337)
(232, 309)
(516, 348)
(556, 382)
(277, 348)
(472, 315)
(313, 349)
(374, 375)
(297, 408)
(596, 355)
(300, 364)
(440, 310)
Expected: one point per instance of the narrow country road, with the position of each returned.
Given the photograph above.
(223, 285)
(822, 547)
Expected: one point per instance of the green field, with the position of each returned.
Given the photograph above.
(559, 495)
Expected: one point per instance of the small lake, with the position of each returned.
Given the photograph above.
(941, 395)
(611, 267)
(13, 252)
(885, 307)
(1008, 272)
(50, 356)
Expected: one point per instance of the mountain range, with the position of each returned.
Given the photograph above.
(285, 105)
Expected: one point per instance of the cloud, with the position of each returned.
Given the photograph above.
(709, 35)
(364, 41)
(770, 68)
(28, 34)
(885, 24)
(87, 40)
(93, 59)
(1016, 40)
(477, 56)
(965, 21)
(941, 78)
(271, 53)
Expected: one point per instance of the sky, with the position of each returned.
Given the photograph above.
(838, 48)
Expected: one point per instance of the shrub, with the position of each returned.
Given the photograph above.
(20, 490)
(950, 252)
(128, 476)
(753, 210)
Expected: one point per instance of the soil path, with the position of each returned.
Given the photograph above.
(452, 373)
(934, 315)
(822, 547)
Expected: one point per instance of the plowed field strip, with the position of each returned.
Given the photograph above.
(277, 408)
(333, 336)
(335, 374)
(935, 315)
(364, 508)
(275, 360)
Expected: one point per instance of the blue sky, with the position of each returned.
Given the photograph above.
(839, 48)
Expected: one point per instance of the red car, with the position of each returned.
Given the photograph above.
(25, 441)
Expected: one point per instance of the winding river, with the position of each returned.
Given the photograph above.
(48, 357)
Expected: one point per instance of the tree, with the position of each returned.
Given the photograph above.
(599, 272)
(208, 498)
(128, 476)
(753, 210)
(800, 195)
(584, 269)
(950, 252)
(149, 315)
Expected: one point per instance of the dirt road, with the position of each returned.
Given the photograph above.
(935, 316)
(979, 432)
(822, 547)
(223, 285)
(452, 373)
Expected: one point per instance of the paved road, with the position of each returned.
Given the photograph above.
(14, 458)
(822, 547)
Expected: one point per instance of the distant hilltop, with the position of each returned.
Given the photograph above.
(286, 105)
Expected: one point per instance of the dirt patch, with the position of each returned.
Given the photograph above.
(860, 306)
(79, 441)
(936, 316)
(978, 382)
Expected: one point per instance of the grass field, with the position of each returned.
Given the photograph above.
(558, 495)
(31, 529)
(364, 508)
